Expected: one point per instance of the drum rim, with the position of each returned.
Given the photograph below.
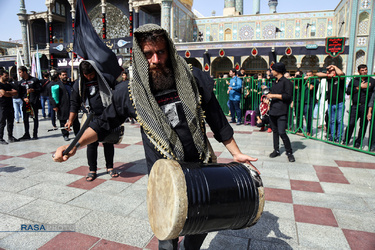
(161, 229)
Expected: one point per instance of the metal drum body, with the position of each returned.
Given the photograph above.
(192, 198)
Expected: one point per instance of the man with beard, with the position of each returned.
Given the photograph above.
(61, 103)
(171, 104)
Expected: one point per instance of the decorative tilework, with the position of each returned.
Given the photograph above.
(246, 33)
(363, 24)
(321, 30)
(235, 31)
(365, 4)
(362, 41)
(214, 32)
(269, 31)
(298, 29)
(329, 28)
(289, 31)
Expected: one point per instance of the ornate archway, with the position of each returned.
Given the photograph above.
(290, 63)
(221, 65)
(255, 64)
(310, 62)
(194, 62)
(333, 61)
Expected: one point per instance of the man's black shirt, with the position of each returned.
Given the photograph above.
(284, 87)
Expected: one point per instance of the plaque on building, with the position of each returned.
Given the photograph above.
(335, 46)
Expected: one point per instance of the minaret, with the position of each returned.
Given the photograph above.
(239, 6)
(22, 16)
(273, 5)
(256, 7)
(229, 8)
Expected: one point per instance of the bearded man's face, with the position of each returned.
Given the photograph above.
(161, 73)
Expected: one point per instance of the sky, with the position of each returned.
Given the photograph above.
(11, 27)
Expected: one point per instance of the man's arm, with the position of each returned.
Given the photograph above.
(88, 137)
(10, 93)
(232, 147)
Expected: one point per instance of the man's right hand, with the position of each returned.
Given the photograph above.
(59, 157)
(67, 125)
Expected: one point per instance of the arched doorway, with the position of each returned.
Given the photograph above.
(221, 65)
(254, 65)
(194, 62)
(333, 61)
(290, 63)
(310, 62)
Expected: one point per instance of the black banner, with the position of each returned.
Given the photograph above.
(335, 46)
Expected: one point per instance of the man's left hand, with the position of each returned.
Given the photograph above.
(242, 158)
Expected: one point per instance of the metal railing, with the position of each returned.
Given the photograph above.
(332, 110)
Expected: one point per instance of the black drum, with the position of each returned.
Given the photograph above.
(192, 198)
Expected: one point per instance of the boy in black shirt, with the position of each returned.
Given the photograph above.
(281, 95)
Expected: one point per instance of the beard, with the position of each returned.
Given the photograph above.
(162, 79)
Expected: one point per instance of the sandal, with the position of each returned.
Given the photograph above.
(113, 173)
(92, 176)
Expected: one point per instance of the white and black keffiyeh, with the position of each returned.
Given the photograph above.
(151, 117)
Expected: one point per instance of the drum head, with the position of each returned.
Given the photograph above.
(167, 201)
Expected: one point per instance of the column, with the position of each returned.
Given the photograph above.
(22, 17)
(352, 37)
(229, 4)
(166, 15)
(256, 7)
(239, 6)
(50, 35)
(104, 20)
(136, 18)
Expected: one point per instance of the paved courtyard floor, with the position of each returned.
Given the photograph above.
(325, 200)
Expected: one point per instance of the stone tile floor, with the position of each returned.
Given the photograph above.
(325, 200)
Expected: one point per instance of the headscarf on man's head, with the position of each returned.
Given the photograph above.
(105, 90)
(150, 116)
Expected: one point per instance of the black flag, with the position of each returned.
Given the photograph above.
(89, 46)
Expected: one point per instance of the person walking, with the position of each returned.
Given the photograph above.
(281, 97)
(29, 91)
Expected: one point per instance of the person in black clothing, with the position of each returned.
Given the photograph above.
(29, 91)
(94, 92)
(44, 95)
(164, 93)
(6, 107)
(124, 77)
(364, 86)
(62, 103)
(281, 97)
(311, 89)
(125, 80)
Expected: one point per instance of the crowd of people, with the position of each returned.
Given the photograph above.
(325, 91)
